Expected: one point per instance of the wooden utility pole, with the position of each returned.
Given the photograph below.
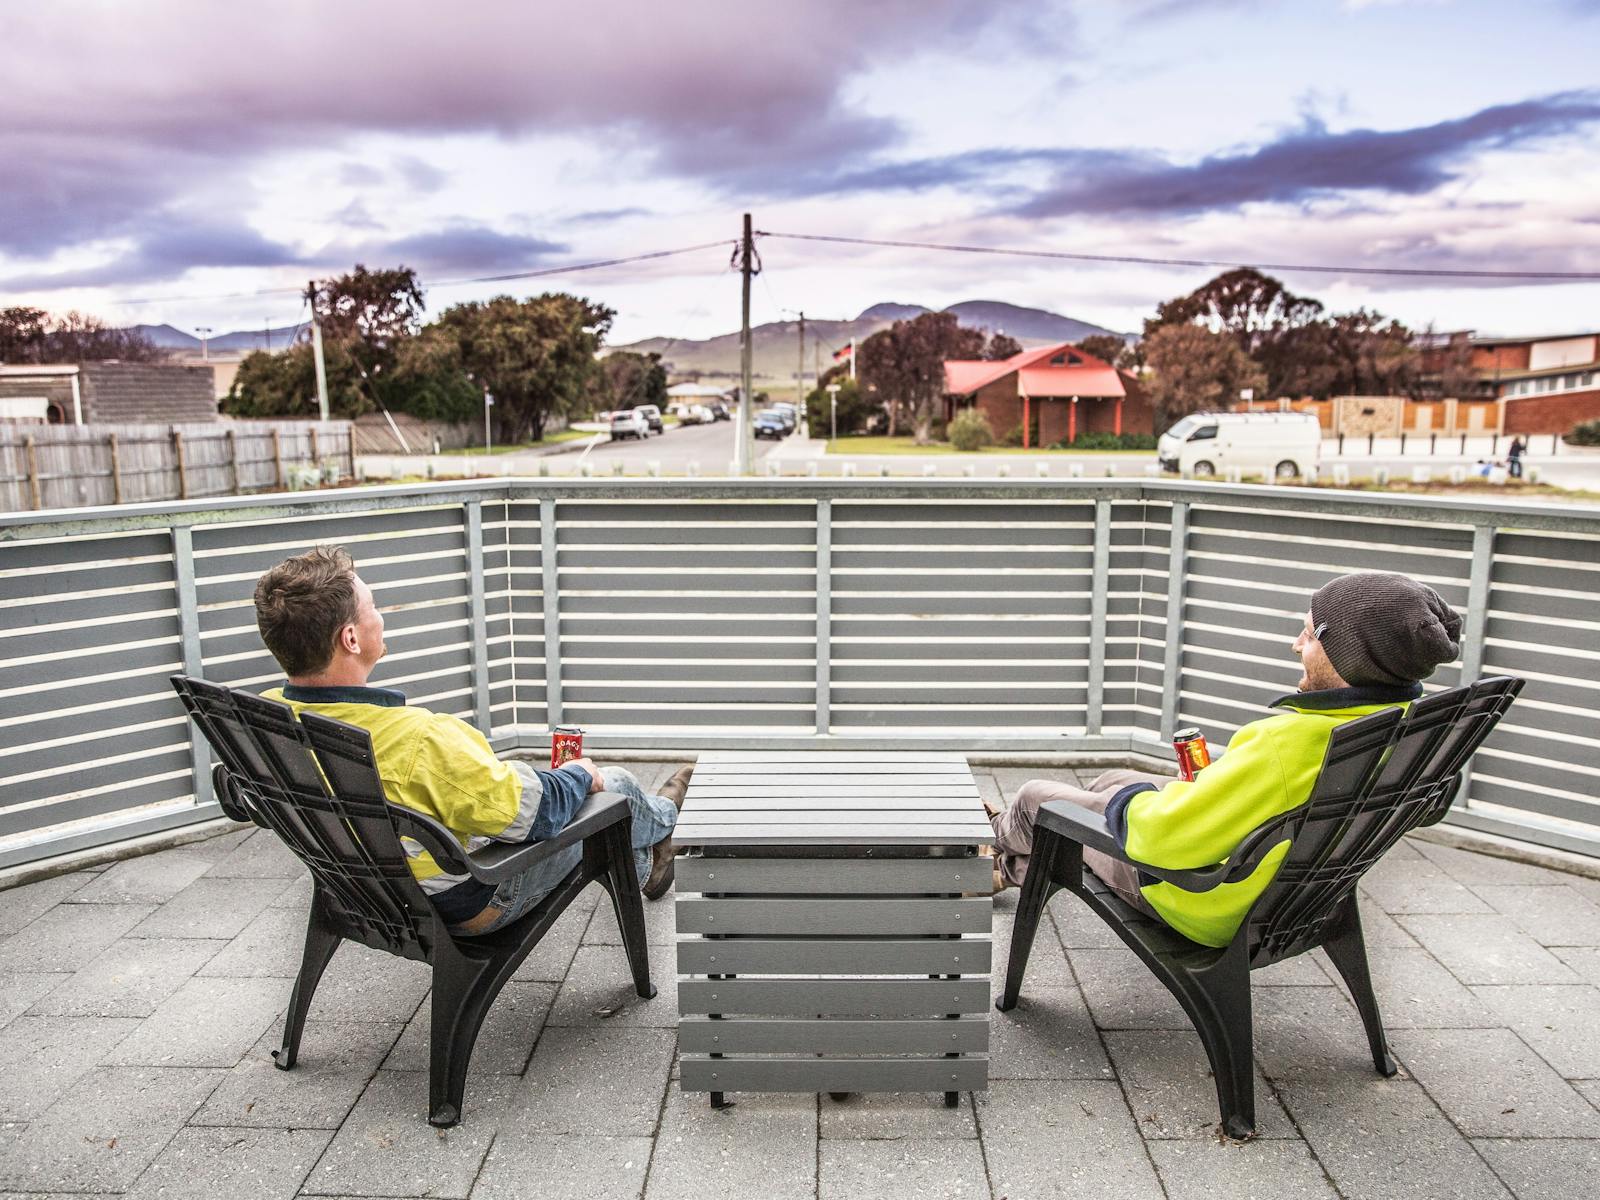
(316, 352)
(116, 470)
(800, 374)
(747, 441)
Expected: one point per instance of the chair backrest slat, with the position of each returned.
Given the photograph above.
(329, 810)
(1383, 776)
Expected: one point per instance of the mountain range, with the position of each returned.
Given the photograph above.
(168, 337)
(777, 344)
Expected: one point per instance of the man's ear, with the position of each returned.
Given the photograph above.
(349, 640)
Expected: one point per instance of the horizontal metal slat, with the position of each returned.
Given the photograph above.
(835, 997)
(834, 1075)
(836, 956)
(964, 1035)
(857, 917)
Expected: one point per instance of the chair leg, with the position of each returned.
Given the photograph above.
(321, 941)
(622, 882)
(463, 990)
(1037, 889)
(1347, 947)
(1217, 1000)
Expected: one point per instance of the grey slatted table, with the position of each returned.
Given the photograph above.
(825, 940)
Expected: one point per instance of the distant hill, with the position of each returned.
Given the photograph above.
(777, 347)
(168, 337)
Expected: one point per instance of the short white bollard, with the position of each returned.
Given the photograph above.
(1380, 476)
(654, 468)
(617, 466)
(970, 470)
(1074, 469)
(1421, 475)
(811, 469)
(1458, 474)
(1233, 475)
(544, 468)
(1533, 474)
(848, 470)
(1341, 474)
(1005, 469)
(1153, 470)
(586, 469)
(1042, 469)
(928, 469)
(883, 471)
(692, 468)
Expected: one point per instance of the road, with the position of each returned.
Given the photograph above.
(709, 449)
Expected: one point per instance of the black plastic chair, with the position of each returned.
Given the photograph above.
(1384, 775)
(313, 782)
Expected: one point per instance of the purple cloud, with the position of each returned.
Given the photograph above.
(459, 248)
(113, 114)
(167, 247)
(1310, 162)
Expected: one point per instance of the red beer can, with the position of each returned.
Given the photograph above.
(1190, 747)
(566, 744)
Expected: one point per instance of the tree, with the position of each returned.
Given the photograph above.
(1001, 347)
(855, 407)
(537, 356)
(1196, 369)
(1265, 320)
(1107, 347)
(905, 363)
(1373, 356)
(627, 380)
(32, 335)
(370, 314)
(285, 384)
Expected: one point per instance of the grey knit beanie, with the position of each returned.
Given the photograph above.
(1378, 628)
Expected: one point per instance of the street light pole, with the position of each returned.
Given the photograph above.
(488, 403)
(205, 332)
(833, 405)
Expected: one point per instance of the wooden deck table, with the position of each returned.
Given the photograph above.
(834, 924)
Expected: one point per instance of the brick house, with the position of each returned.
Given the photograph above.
(1545, 385)
(109, 393)
(1053, 393)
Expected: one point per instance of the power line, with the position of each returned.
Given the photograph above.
(566, 269)
(1568, 276)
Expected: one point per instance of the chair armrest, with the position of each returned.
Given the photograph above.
(500, 861)
(1089, 830)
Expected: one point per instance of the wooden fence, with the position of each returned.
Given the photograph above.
(71, 466)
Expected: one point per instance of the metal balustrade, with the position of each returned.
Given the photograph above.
(1039, 618)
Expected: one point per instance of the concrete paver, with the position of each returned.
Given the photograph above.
(140, 1003)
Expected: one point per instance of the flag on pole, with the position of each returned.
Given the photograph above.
(845, 351)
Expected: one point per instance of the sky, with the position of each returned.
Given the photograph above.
(184, 162)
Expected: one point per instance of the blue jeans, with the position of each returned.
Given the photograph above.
(653, 820)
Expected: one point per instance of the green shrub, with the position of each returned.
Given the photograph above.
(1012, 437)
(1100, 440)
(1586, 434)
(969, 430)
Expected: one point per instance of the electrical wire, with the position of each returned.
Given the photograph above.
(1567, 276)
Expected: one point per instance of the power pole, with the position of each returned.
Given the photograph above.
(316, 352)
(747, 441)
(800, 374)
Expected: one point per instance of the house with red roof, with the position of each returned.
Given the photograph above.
(1053, 393)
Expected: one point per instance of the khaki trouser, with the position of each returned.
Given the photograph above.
(1013, 829)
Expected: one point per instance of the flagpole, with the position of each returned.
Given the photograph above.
(852, 360)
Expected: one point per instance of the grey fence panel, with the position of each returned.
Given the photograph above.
(981, 608)
(957, 614)
(89, 726)
(711, 586)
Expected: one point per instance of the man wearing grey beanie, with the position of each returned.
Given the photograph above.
(1368, 641)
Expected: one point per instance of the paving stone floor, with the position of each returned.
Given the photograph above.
(139, 1003)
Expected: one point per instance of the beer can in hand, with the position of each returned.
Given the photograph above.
(566, 744)
(1190, 747)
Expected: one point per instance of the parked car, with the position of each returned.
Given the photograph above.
(652, 415)
(779, 412)
(769, 424)
(719, 411)
(1204, 444)
(630, 422)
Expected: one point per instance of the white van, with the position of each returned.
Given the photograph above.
(1284, 444)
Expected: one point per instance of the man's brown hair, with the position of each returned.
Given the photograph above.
(302, 604)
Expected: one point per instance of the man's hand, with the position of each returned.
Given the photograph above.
(596, 783)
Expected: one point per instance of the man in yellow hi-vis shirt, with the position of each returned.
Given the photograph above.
(317, 617)
(1369, 640)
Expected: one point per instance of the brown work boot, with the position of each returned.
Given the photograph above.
(674, 788)
(663, 855)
